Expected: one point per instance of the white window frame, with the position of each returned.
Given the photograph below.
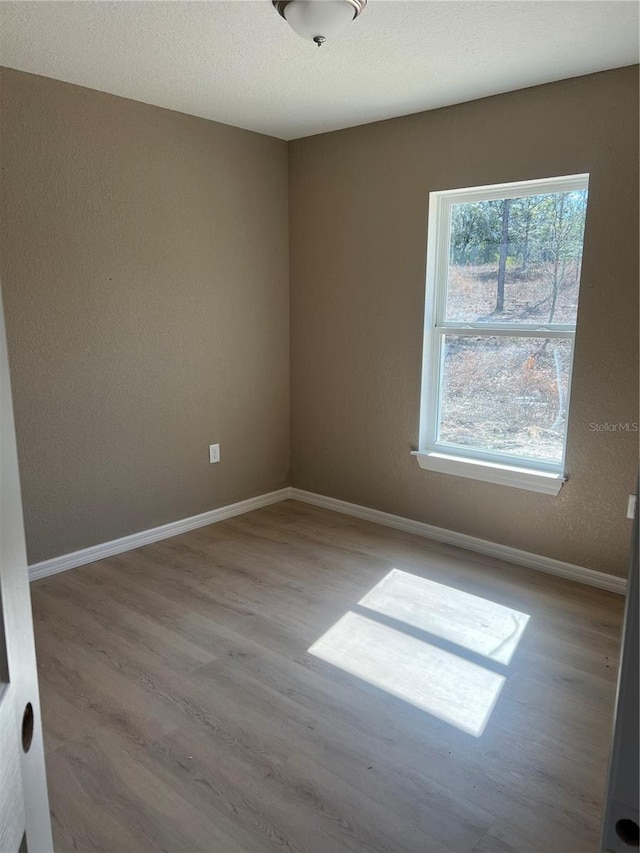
(520, 472)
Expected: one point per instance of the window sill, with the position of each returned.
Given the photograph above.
(531, 479)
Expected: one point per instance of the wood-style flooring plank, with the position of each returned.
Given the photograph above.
(183, 711)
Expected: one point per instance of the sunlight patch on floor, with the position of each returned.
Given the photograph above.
(431, 671)
(474, 623)
(443, 684)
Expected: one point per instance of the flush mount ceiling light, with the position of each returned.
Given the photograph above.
(319, 20)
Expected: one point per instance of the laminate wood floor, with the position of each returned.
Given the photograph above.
(183, 712)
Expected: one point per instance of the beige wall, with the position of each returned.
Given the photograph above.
(144, 267)
(358, 223)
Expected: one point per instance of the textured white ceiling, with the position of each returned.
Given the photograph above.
(238, 62)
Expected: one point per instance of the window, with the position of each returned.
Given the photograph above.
(503, 276)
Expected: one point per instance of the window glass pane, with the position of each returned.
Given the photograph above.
(505, 394)
(516, 260)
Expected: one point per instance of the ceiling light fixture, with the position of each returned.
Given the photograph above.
(319, 20)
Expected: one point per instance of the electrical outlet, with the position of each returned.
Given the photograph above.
(214, 453)
(631, 506)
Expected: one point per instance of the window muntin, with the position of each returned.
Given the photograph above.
(502, 298)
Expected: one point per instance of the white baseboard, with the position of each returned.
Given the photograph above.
(155, 534)
(601, 580)
(419, 528)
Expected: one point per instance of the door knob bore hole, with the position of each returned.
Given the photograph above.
(628, 832)
(27, 727)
